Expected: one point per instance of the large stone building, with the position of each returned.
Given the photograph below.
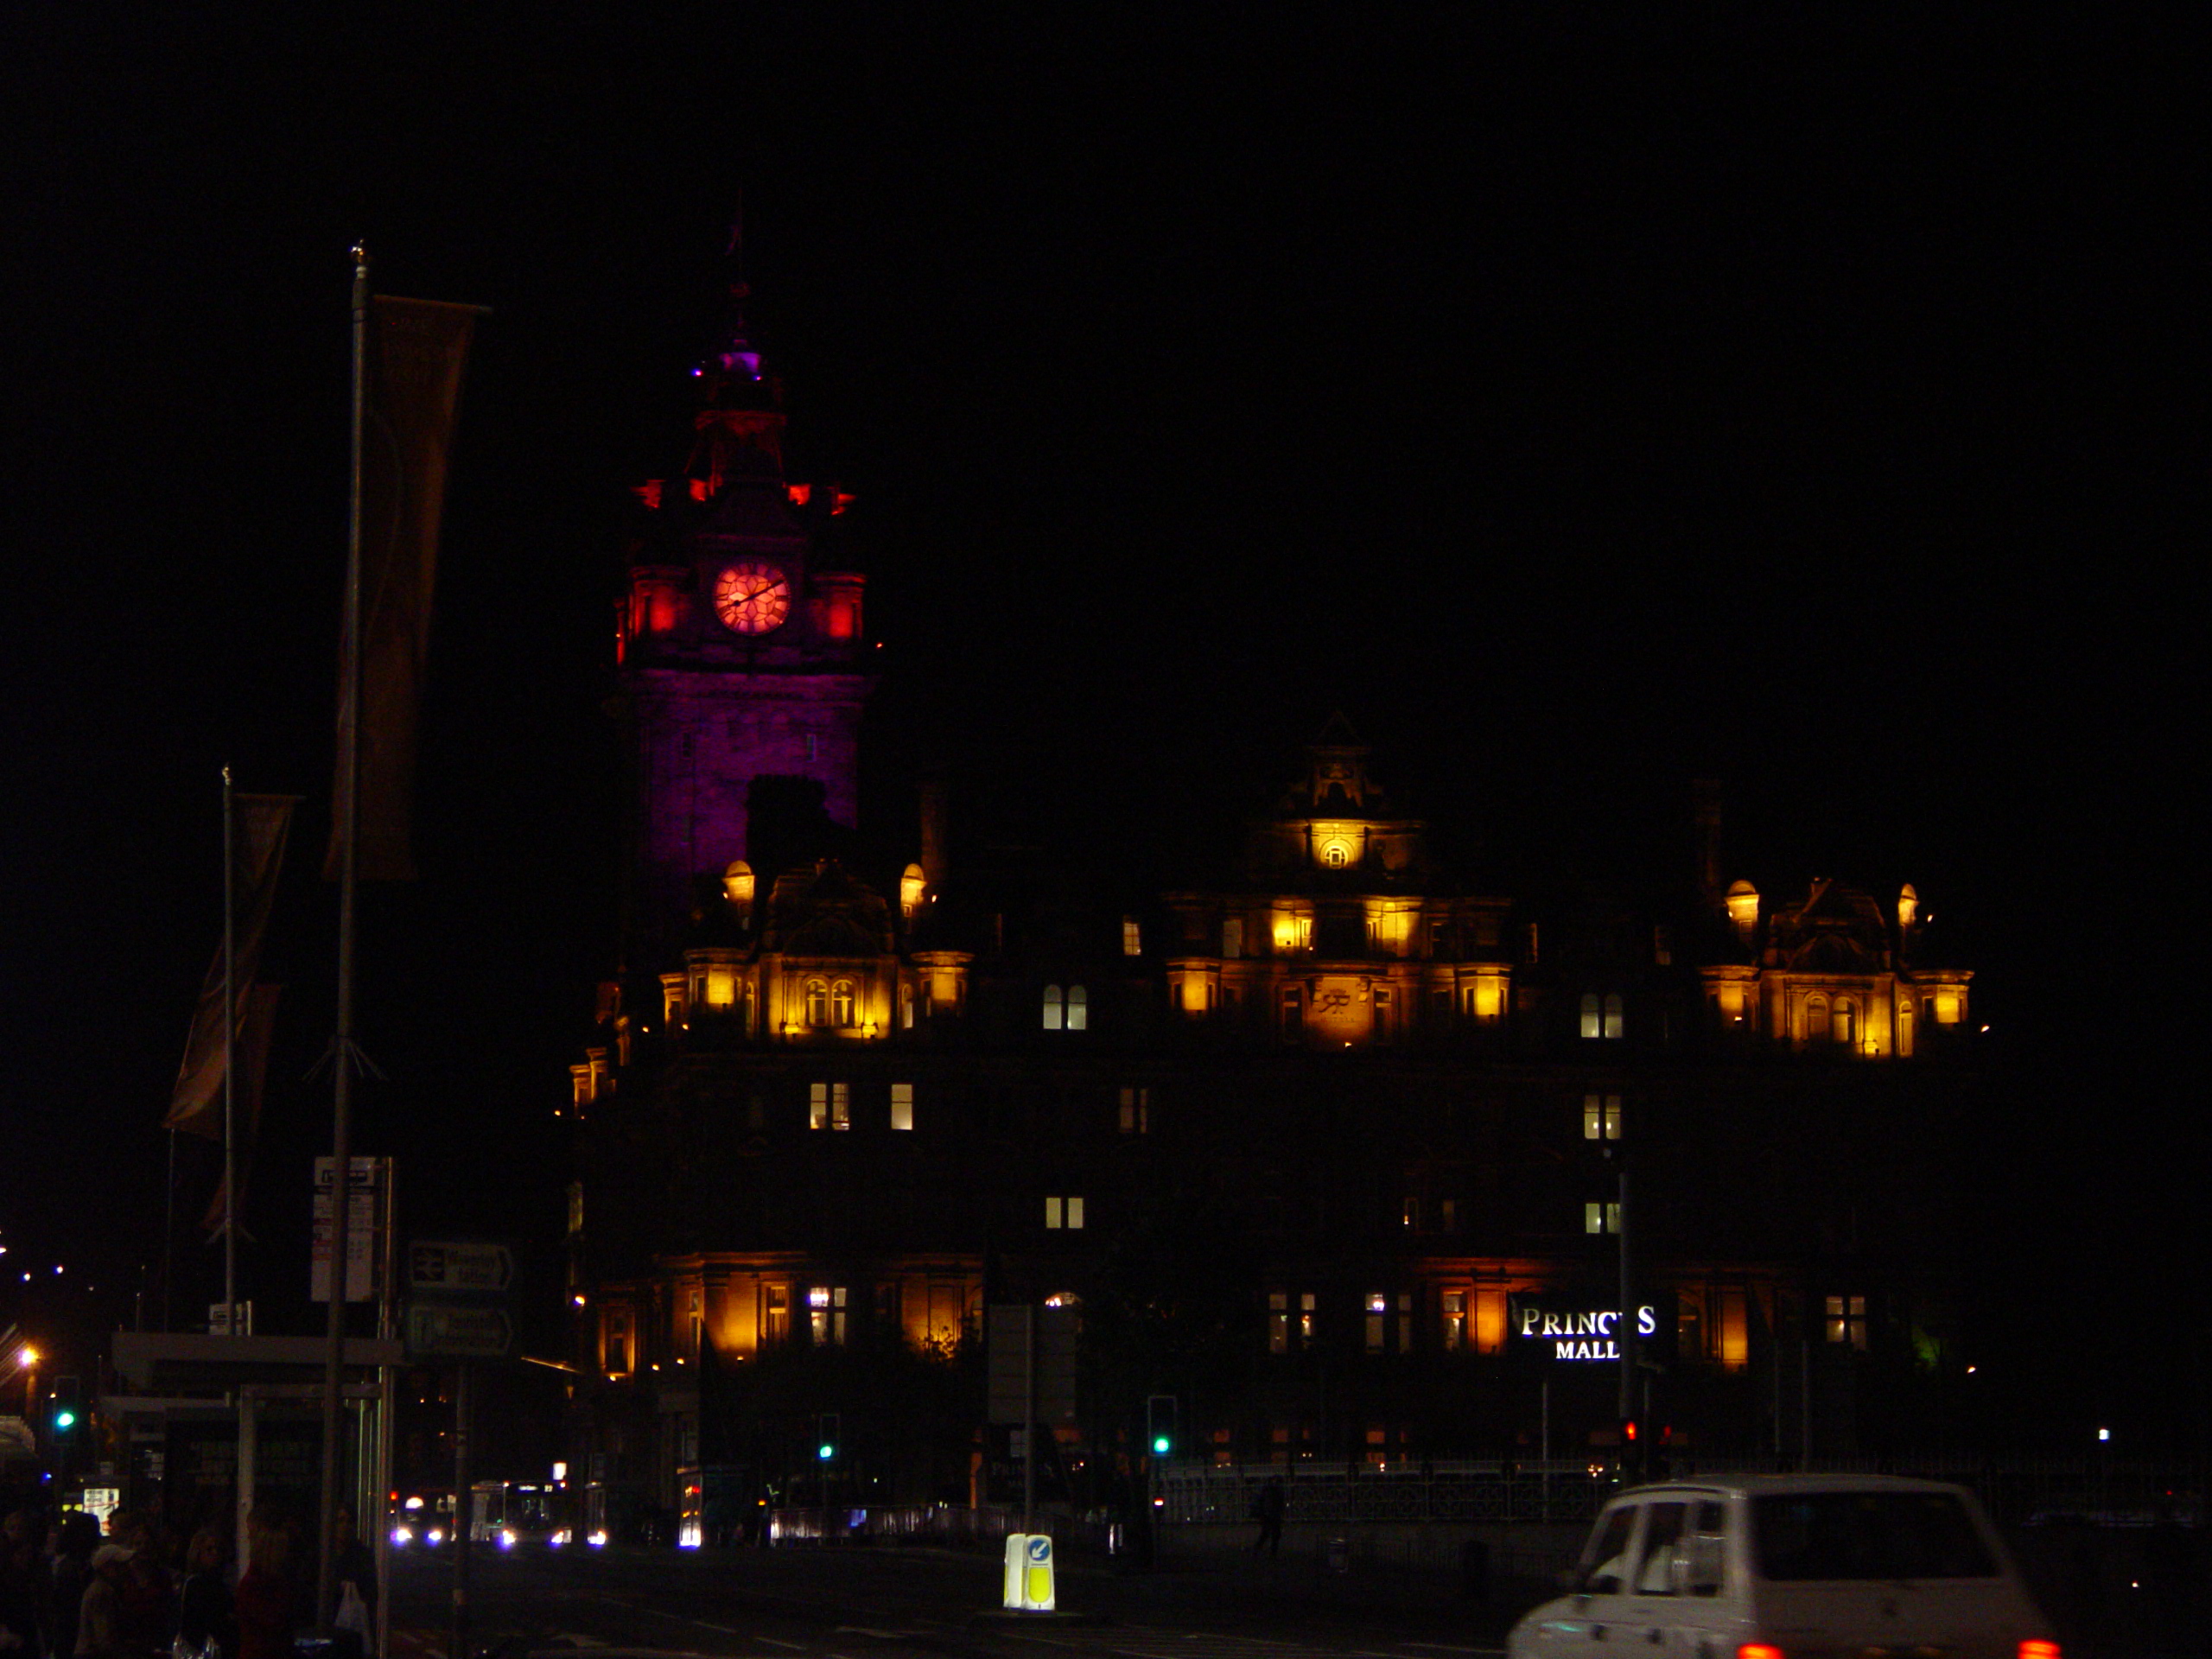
(1333, 1150)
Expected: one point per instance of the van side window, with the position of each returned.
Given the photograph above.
(1708, 1550)
(1604, 1558)
(1663, 1536)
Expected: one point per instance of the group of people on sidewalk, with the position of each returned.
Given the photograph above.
(68, 1591)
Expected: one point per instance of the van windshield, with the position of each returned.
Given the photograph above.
(1841, 1535)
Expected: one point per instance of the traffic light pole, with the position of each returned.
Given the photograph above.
(1029, 1420)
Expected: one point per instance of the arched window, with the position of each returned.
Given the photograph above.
(1846, 1021)
(817, 1003)
(1816, 1020)
(841, 1004)
(1336, 855)
(1052, 1008)
(1078, 1008)
(1601, 1015)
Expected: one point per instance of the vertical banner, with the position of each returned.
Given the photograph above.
(417, 349)
(262, 821)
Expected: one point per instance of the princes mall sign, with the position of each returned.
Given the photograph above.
(1582, 1334)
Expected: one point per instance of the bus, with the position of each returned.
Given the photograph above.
(515, 1515)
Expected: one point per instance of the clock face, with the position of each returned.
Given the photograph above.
(752, 596)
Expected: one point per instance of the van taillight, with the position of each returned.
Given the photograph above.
(1758, 1650)
(2039, 1651)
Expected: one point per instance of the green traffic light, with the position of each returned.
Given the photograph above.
(64, 1419)
(826, 1453)
(1160, 1446)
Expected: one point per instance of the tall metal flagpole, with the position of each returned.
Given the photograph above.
(341, 1149)
(230, 1061)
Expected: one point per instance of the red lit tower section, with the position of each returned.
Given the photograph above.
(741, 641)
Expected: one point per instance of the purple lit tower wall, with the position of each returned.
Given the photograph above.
(740, 642)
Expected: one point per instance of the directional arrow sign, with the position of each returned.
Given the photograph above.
(458, 1330)
(460, 1267)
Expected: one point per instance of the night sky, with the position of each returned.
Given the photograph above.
(1582, 403)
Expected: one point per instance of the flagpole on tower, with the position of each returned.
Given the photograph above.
(230, 1066)
(349, 762)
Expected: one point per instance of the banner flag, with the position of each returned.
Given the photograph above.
(258, 848)
(416, 352)
(254, 1030)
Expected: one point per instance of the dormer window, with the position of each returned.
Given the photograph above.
(1335, 854)
(817, 1003)
(840, 1005)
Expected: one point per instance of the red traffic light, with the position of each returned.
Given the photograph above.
(1628, 1431)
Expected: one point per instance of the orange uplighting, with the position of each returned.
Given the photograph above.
(2039, 1651)
(1757, 1650)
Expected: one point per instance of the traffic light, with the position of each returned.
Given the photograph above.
(1631, 1452)
(826, 1440)
(1159, 1424)
(68, 1404)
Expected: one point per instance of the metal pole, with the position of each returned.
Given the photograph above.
(1544, 1445)
(464, 1514)
(230, 1066)
(341, 1136)
(1626, 1327)
(379, 1501)
(1029, 1419)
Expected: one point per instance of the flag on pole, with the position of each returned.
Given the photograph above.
(262, 821)
(417, 351)
(258, 1021)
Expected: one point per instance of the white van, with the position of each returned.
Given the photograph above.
(1790, 1566)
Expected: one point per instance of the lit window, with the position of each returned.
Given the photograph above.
(840, 1005)
(1601, 1218)
(1055, 1005)
(1132, 938)
(1379, 1318)
(1409, 1214)
(1847, 1022)
(1278, 1322)
(1336, 854)
(1601, 1117)
(829, 1106)
(817, 1003)
(1063, 1213)
(775, 1315)
(1816, 1020)
(1078, 1008)
(905, 1006)
(1613, 1014)
(825, 1315)
(1455, 1321)
(1593, 1019)
(1305, 1319)
(1846, 1320)
(902, 1106)
(1137, 1109)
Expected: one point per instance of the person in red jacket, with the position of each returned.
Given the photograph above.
(262, 1605)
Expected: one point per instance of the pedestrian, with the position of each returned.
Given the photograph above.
(353, 1581)
(26, 1599)
(100, 1613)
(204, 1615)
(75, 1541)
(262, 1604)
(1268, 1510)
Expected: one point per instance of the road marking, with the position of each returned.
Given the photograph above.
(796, 1647)
(863, 1629)
(726, 1629)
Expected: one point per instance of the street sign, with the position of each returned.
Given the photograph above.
(1009, 1359)
(459, 1267)
(368, 1187)
(440, 1330)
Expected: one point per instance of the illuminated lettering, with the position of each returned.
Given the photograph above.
(1529, 1316)
(1647, 1322)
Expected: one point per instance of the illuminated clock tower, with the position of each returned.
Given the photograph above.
(740, 644)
